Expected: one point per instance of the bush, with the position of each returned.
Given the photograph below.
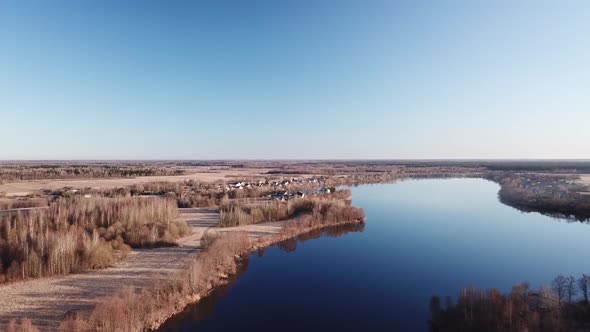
(324, 209)
(209, 237)
(136, 311)
(6, 204)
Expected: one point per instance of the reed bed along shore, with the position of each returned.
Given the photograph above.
(334, 206)
(148, 308)
(23, 203)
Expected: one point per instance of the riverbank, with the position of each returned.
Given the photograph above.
(200, 276)
(556, 195)
(47, 300)
(381, 279)
(223, 276)
(148, 274)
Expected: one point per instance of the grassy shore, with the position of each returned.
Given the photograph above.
(136, 311)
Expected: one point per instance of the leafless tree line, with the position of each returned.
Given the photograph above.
(21, 203)
(555, 308)
(320, 208)
(79, 233)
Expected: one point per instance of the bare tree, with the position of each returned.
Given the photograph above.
(78, 234)
(584, 284)
(570, 288)
(559, 285)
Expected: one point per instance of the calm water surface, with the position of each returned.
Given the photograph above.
(421, 238)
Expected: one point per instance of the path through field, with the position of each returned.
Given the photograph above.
(46, 300)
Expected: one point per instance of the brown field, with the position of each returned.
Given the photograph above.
(46, 300)
(24, 188)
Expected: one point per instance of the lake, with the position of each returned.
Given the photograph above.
(421, 238)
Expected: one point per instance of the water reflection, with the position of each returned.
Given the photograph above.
(206, 307)
(290, 245)
(569, 217)
(421, 238)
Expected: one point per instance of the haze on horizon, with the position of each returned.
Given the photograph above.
(294, 79)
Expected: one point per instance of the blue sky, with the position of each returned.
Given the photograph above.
(294, 79)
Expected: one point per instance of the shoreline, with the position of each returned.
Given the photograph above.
(171, 308)
(223, 276)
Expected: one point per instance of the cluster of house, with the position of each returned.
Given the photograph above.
(67, 191)
(272, 184)
(551, 187)
(282, 189)
(285, 195)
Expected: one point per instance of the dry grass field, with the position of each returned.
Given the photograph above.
(46, 300)
(24, 188)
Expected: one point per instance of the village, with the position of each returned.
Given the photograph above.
(555, 187)
(283, 189)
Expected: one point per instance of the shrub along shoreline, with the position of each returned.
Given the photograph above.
(334, 206)
(554, 308)
(152, 306)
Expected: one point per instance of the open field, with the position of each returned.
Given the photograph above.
(46, 300)
(23, 188)
(232, 170)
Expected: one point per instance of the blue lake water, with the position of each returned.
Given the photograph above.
(421, 238)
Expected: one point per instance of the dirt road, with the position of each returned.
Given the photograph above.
(46, 300)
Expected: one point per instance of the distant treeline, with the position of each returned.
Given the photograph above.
(545, 166)
(362, 166)
(42, 172)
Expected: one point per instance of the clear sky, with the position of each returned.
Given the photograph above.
(297, 79)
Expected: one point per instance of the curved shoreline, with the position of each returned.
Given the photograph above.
(561, 204)
(42, 299)
(281, 232)
(222, 278)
